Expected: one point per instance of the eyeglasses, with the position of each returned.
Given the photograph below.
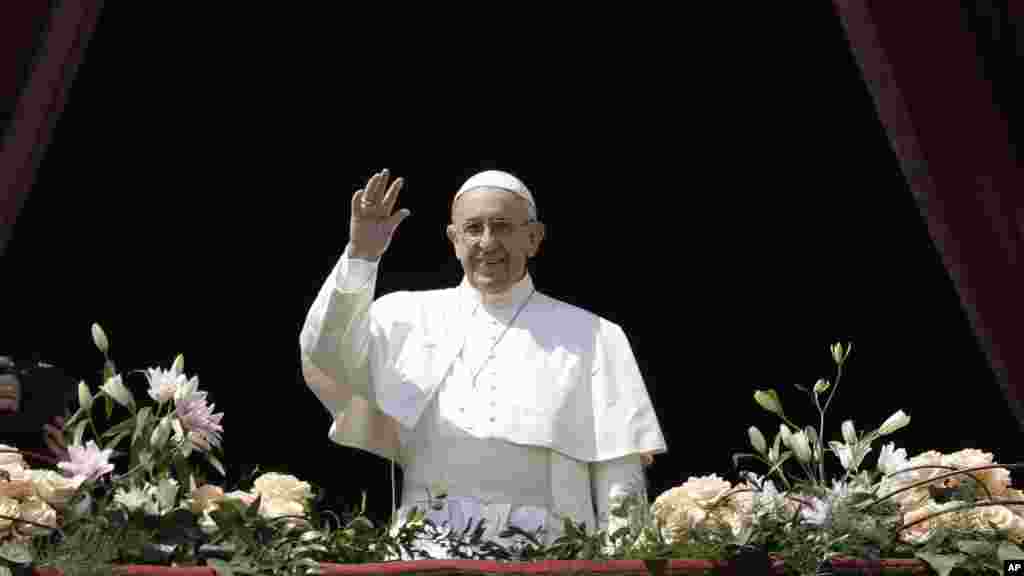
(474, 229)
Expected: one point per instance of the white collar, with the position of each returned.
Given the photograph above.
(514, 296)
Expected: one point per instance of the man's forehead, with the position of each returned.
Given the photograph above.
(490, 202)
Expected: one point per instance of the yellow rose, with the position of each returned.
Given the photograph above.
(205, 498)
(10, 508)
(277, 507)
(38, 511)
(19, 489)
(698, 501)
(10, 458)
(997, 480)
(56, 489)
(1015, 494)
(282, 486)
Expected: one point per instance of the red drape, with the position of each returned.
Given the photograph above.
(922, 69)
(40, 100)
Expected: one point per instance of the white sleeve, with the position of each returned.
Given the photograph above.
(354, 274)
(335, 338)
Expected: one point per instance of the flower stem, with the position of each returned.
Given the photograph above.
(955, 472)
(965, 506)
(821, 431)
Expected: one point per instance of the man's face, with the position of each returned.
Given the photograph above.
(493, 238)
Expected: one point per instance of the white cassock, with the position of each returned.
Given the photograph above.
(557, 418)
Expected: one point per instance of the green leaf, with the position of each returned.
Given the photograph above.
(128, 424)
(975, 547)
(215, 463)
(782, 460)
(79, 431)
(943, 564)
(141, 419)
(113, 443)
(1009, 551)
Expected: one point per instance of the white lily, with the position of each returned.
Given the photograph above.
(891, 460)
(166, 493)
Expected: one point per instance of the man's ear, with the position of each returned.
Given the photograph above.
(536, 236)
(453, 237)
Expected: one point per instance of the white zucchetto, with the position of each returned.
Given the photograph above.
(502, 180)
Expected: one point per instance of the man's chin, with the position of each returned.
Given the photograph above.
(489, 284)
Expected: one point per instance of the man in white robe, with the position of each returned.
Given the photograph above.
(517, 407)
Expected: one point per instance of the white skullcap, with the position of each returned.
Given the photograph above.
(502, 180)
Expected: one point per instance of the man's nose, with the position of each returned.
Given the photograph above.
(488, 239)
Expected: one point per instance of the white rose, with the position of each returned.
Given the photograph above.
(705, 488)
(38, 511)
(282, 486)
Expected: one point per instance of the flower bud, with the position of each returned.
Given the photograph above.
(821, 385)
(812, 441)
(800, 446)
(84, 397)
(161, 432)
(115, 388)
(757, 440)
(100, 338)
(768, 400)
(849, 433)
(785, 434)
(894, 423)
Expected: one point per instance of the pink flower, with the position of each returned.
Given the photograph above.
(197, 417)
(87, 463)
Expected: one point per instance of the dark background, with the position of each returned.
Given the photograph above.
(717, 183)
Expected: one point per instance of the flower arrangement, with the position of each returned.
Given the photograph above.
(82, 515)
(946, 509)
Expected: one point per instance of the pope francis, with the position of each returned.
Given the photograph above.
(515, 407)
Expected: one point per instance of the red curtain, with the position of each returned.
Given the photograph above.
(38, 96)
(923, 70)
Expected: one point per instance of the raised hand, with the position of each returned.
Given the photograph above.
(372, 223)
(53, 435)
